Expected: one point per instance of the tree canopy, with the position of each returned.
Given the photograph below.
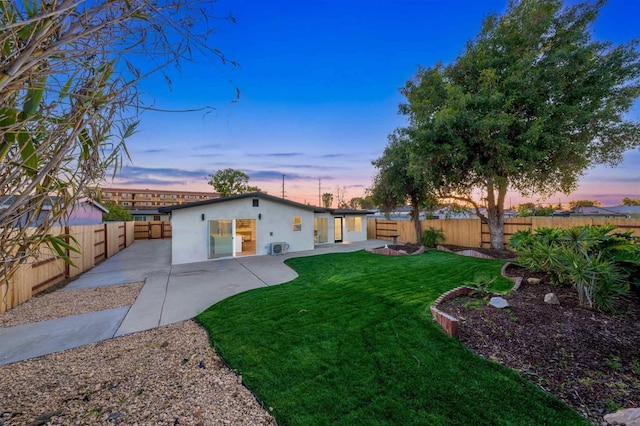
(327, 199)
(395, 184)
(116, 212)
(229, 182)
(531, 209)
(529, 105)
(583, 203)
(627, 201)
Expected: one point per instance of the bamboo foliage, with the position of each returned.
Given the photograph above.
(68, 102)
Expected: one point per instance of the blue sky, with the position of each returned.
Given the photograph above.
(318, 86)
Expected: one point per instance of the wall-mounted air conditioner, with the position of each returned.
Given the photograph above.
(278, 248)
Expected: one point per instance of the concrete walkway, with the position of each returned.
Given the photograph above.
(170, 294)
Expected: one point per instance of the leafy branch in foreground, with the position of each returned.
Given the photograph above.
(69, 72)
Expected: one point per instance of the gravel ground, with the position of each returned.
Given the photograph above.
(60, 304)
(168, 376)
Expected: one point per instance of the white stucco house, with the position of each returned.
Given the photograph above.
(257, 224)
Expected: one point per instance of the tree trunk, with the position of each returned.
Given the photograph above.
(416, 219)
(496, 231)
(495, 212)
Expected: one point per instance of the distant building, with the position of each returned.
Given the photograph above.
(590, 212)
(152, 199)
(149, 215)
(629, 211)
(85, 212)
(404, 213)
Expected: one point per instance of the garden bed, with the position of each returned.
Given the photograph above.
(589, 359)
(398, 249)
(489, 253)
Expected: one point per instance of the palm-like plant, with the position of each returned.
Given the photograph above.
(598, 262)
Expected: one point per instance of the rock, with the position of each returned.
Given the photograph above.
(533, 280)
(628, 417)
(498, 302)
(551, 299)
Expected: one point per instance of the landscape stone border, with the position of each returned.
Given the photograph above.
(386, 251)
(449, 323)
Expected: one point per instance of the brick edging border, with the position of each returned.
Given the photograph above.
(449, 323)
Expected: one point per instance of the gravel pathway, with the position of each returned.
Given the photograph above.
(60, 304)
(168, 376)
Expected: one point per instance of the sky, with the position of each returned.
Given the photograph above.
(318, 92)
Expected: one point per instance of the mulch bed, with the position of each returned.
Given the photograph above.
(408, 248)
(587, 358)
(496, 254)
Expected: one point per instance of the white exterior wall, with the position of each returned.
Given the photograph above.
(190, 233)
(330, 227)
(354, 236)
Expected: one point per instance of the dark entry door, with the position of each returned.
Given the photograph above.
(337, 229)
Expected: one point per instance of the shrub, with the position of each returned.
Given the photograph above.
(600, 264)
(431, 237)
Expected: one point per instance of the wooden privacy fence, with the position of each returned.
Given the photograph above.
(473, 233)
(95, 242)
(150, 230)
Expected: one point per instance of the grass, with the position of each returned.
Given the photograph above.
(351, 341)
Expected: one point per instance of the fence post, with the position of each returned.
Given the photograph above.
(67, 267)
(106, 243)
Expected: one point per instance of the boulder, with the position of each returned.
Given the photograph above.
(498, 302)
(628, 417)
(551, 299)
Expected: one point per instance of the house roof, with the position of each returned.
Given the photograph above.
(94, 203)
(596, 211)
(7, 199)
(144, 212)
(263, 196)
(589, 211)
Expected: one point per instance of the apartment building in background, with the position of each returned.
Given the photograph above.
(152, 199)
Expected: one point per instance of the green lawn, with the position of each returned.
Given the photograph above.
(351, 341)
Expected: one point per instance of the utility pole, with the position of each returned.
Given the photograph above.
(319, 193)
(283, 186)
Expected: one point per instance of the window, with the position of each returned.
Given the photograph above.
(173, 196)
(156, 217)
(163, 196)
(354, 224)
(297, 223)
(124, 203)
(256, 202)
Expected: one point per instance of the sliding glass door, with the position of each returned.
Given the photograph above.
(220, 238)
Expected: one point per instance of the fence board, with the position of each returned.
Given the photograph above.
(46, 269)
(84, 260)
(112, 230)
(471, 233)
(146, 230)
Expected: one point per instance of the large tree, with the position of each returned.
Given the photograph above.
(529, 105)
(394, 183)
(228, 182)
(69, 72)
